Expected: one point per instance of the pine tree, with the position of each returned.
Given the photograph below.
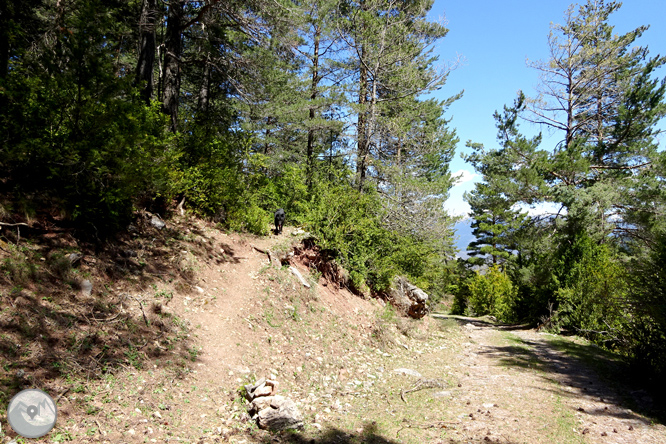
(599, 93)
(495, 222)
(389, 45)
(508, 178)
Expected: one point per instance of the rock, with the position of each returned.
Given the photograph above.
(263, 387)
(73, 258)
(408, 298)
(280, 415)
(442, 394)
(157, 222)
(265, 390)
(408, 371)
(300, 277)
(263, 402)
(86, 287)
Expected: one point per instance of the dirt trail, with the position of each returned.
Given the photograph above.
(534, 393)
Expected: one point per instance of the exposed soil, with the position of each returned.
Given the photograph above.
(534, 392)
(171, 344)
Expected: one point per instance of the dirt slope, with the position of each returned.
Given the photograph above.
(357, 371)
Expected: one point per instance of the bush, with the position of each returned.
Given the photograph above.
(349, 224)
(646, 325)
(593, 286)
(493, 294)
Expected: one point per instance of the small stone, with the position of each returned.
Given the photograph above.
(74, 258)
(407, 371)
(157, 222)
(86, 287)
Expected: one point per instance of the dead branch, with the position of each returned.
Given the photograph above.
(422, 384)
(22, 224)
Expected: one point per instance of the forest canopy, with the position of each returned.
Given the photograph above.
(234, 109)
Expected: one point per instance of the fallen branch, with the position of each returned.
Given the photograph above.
(21, 224)
(259, 249)
(300, 277)
(61, 395)
(145, 318)
(107, 319)
(422, 384)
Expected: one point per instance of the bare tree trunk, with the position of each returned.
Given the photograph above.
(173, 50)
(146, 62)
(313, 96)
(204, 91)
(363, 142)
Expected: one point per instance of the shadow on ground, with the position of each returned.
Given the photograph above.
(596, 374)
(369, 435)
(50, 327)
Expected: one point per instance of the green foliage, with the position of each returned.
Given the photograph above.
(459, 289)
(492, 293)
(349, 224)
(592, 290)
(220, 178)
(494, 224)
(646, 325)
(74, 134)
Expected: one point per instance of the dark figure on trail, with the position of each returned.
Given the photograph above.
(279, 221)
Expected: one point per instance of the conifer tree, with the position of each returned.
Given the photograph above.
(389, 45)
(599, 92)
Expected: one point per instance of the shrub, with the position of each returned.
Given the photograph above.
(646, 326)
(493, 294)
(593, 286)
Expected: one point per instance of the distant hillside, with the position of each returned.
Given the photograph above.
(463, 236)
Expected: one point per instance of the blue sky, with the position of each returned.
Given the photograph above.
(495, 38)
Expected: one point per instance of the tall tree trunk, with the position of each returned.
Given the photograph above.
(204, 90)
(173, 50)
(363, 142)
(313, 96)
(146, 62)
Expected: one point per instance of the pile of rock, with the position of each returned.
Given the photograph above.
(408, 298)
(272, 411)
